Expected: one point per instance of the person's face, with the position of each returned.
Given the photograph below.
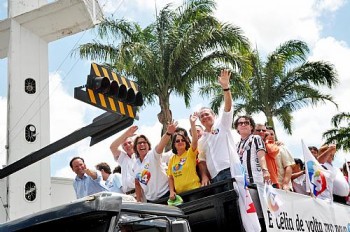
(142, 147)
(260, 130)
(331, 157)
(296, 168)
(78, 166)
(314, 152)
(244, 127)
(200, 131)
(104, 174)
(128, 146)
(270, 136)
(180, 144)
(206, 118)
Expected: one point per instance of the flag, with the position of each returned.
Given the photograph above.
(247, 209)
(319, 181)
(272, 199)
(347, 169)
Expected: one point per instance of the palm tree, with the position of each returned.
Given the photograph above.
(339, 134)
(284, 83)
(182, 47)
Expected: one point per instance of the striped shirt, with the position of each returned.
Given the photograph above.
(247, 150)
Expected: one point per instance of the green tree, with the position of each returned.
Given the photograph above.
(184, 46)
(284, 83)
(340, 134)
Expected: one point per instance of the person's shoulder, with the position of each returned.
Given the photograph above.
(255, 136)
(116, 176)
(172, 157)
(284, 150)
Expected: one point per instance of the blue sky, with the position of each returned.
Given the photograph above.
(323, 24)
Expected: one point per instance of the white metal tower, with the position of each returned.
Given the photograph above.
(25, 34)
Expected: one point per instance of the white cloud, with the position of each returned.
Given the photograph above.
(270, 23)
(66, 113)
(65, 172)
(329, 5)
(141, 9)
(265, 23)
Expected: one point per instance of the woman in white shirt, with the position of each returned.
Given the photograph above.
(151, 180)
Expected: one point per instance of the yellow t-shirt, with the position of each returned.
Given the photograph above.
(183, 169)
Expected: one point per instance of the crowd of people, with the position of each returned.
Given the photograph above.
(149, 173)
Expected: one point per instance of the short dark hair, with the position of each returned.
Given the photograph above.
(247, 117)
(75, 158)
(270, 128)
(313, 148)
(183, 130)
(117, 169)
(180, 130)
(174, 139)
(135, 144)
(344, 169)
(299, 162)
(104, 166)
(189, 130)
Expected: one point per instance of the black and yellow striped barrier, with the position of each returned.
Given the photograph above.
(111, 104)
(100, 71)
(108, 91)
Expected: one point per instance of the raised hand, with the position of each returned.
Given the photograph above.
(172, 127)
(131, 131)
(224, 78)
(193, 117)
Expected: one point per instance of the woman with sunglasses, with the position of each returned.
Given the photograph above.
(251, 151)
(182, 173)
(151, 181)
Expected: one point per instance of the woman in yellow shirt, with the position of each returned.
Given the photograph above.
(182, 164)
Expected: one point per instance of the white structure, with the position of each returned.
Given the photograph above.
(25, 34)
(62, 191)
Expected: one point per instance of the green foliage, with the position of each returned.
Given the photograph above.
(340, 134)
(184, 46)
(284, 83)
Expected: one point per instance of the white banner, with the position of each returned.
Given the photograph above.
(303, 213)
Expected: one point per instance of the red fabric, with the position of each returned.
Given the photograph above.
(272, 151)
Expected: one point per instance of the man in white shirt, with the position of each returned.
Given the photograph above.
(126, 158)
(213, 146)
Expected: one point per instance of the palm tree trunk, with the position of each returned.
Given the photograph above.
(165, 116)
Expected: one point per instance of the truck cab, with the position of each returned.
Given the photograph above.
(103, 212)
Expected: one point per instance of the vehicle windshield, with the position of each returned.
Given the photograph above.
(134, 223)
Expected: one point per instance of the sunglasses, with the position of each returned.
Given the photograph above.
(245, 123)
(260, 130)
(180, 140)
